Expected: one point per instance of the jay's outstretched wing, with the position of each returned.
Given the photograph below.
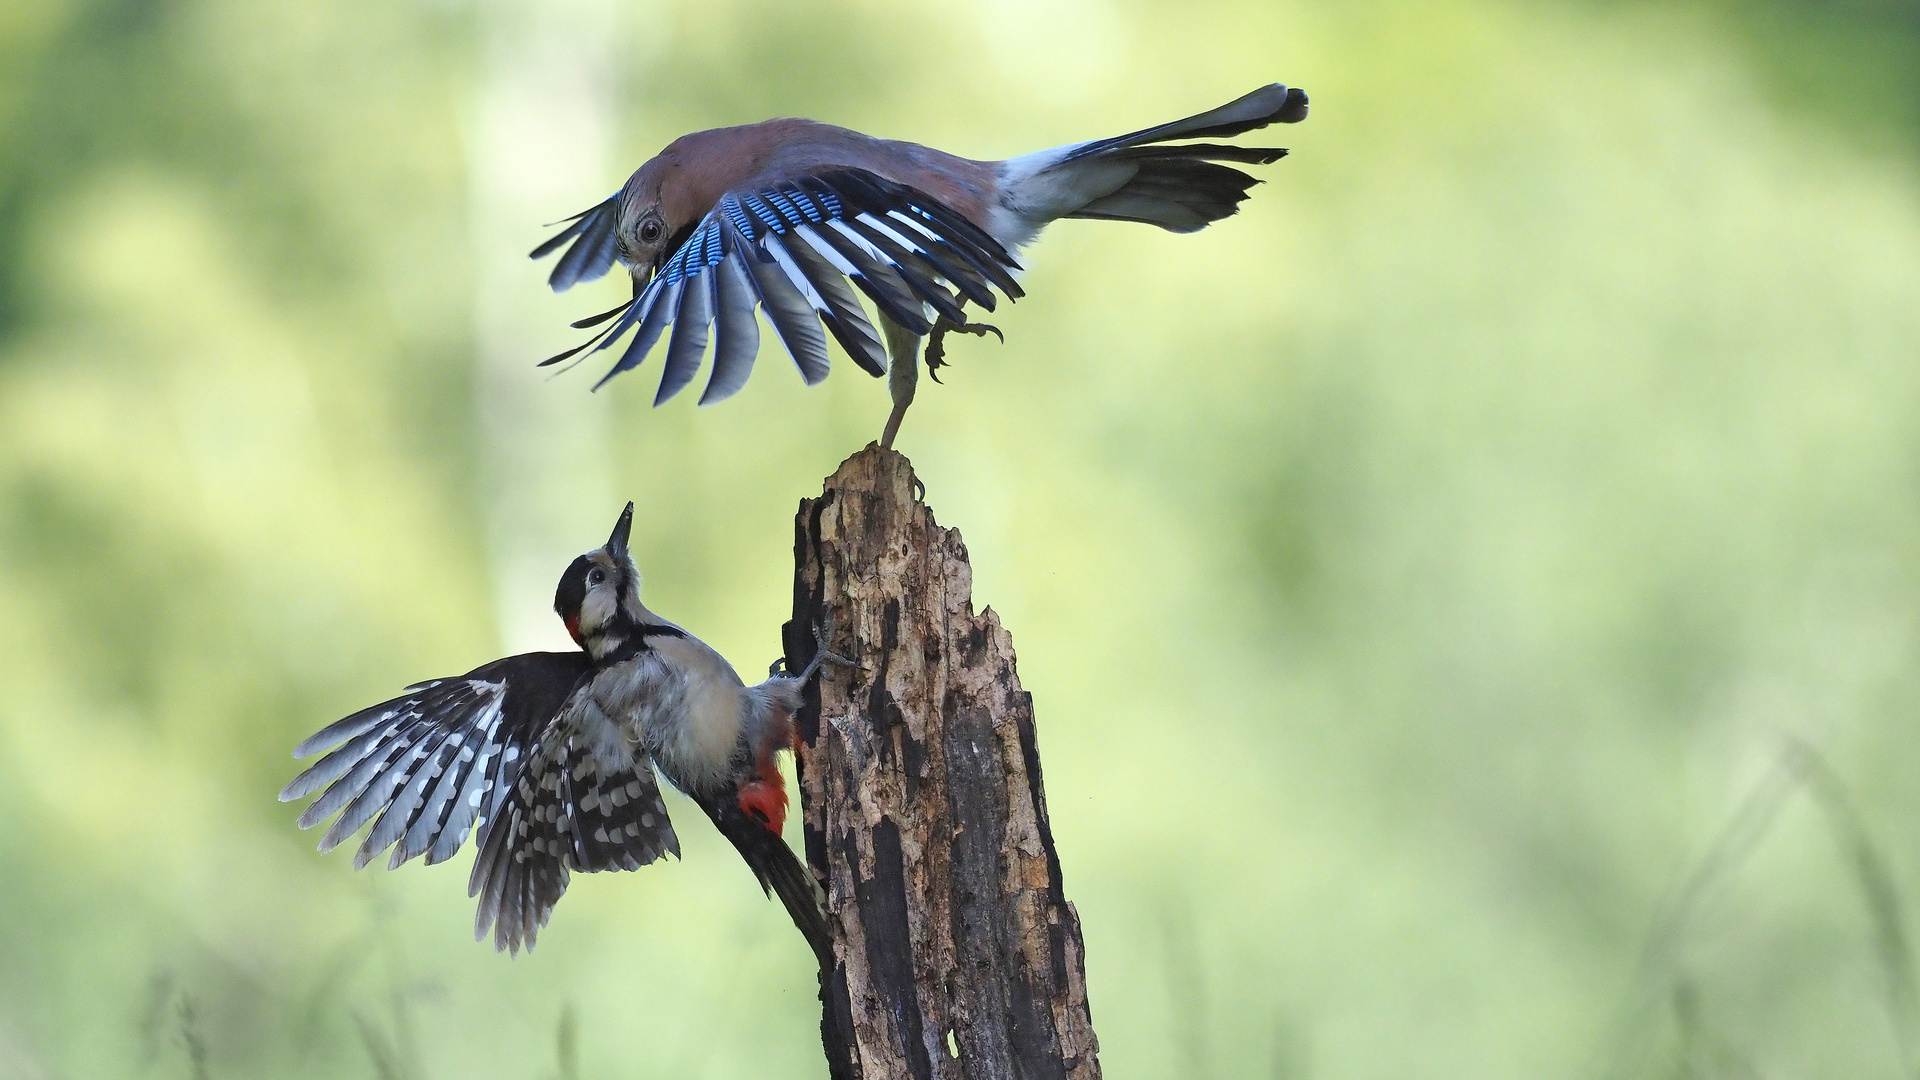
(582, 802)
(790, 248)
(591, 256)
(434, 761)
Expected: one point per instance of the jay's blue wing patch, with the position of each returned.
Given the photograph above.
(798, 250)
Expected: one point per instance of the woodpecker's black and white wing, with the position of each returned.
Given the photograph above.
(798, 249)
(583, 802)
(433, 763)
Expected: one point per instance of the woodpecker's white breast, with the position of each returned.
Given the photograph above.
(683, 703)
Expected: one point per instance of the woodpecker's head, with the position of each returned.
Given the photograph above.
(599, 595)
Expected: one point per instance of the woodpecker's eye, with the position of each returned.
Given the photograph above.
(595, 576)
(650, 231)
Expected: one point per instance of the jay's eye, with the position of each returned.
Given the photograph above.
(595, 576)
(651, 230)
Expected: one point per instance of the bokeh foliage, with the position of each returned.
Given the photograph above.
(1470, 597)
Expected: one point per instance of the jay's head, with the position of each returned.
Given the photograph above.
(667, 197)
(599, 595)
(640, 239)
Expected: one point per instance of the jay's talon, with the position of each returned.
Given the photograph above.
(936, 351)
(943, 326)
(919, 490)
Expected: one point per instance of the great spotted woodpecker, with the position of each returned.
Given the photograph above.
(782, 215)
(545, 756)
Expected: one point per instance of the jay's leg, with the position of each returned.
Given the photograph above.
(903, 372)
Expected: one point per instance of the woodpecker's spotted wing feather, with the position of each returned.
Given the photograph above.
(423, 765)
(449, 807)
(517, 884)
(430, 762)
(794, 245)
(592, 254)
(582, 802)
(619, 822)
(383, 759)
(521, 871)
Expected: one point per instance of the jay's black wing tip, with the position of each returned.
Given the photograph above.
(557, 357)
(592, 321)
(592, 252)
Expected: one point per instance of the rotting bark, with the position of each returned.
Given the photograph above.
(925, 816)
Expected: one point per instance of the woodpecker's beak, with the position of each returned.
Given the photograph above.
(617, 543)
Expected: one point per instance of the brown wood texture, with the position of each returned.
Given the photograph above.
(925, 816)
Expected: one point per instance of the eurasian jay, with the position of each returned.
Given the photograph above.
(780, 214)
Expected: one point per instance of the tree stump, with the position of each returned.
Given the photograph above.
(956, 954)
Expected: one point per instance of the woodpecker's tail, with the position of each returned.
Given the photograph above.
(1135, 177)
(779, 871)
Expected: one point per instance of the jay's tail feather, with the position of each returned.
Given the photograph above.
(1139, 177)
(1178, 192)
(1271, 104)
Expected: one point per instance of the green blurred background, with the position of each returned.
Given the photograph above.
(1470, 598)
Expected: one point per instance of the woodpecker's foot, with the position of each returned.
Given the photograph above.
(822, 654)
(937, 341)
(766, 803)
